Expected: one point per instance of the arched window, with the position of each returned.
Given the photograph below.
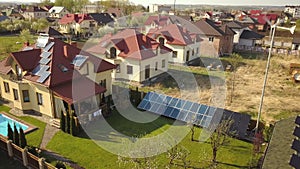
(113, 52)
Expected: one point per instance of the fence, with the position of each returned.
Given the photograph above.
(259, 49)
(29, 160)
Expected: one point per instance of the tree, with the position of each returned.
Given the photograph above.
(16, 136)
(298, 23)
(22, 139)
(25, 35)
(179, 154)
(220, 137)
(10, 133)
(10, 28)
(62, 121)
(67, 130)
(234, 60)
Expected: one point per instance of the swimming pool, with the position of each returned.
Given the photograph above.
(3, 124)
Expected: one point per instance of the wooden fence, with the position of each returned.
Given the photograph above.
(29, 160)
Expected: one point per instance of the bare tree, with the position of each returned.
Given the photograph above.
(219, 137)
(180, 154)
(235, 59)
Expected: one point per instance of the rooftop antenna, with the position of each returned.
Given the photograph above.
(273, 28)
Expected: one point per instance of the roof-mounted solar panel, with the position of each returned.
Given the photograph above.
(44, 61)
(42, 40)
(79, 60)
(49, 46)
(46, 54)
(43, 77)
(40, 69)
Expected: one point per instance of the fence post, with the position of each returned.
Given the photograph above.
(24, 157)
(41, 163)
(9, 148)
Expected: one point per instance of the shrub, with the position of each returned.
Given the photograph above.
(60, 165)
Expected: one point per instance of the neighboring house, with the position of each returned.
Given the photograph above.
(35, 13)
(185, 46)
(238, 28)
(248, 21)
(156, 22)
(248, 38)
(137, 56)
(58, 12)
(296, 43)
(153, 8)
(102, 19)
(77, 24)
(53, 77)
(263, 20)
(12, 13)
(53, 33)
(115, 12)
(293, 10)
(217, 41)
(90, 8)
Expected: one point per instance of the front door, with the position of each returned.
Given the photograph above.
(147, 72)
(187, 56)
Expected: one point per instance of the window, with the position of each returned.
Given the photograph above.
(193, 52)
(39, 97)
(18, 71)
(163, 63)
(103, 83)
(156, 65)
(211, 39)
(197, 50)
(118, 69)
(25, 96)
(6, 87)
(16, 96)
(161, 41)
(113, 52)
(175, 54)
(129, 69)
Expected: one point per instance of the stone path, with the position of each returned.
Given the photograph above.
(48, 134)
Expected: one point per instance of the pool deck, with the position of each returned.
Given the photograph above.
(31, 127)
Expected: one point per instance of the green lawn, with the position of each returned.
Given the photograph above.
(34, 138)
(8, 44)
(86, 153)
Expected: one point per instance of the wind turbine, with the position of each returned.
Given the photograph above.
(272, 31)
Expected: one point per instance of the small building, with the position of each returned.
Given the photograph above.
(293, 10)
(58, 12)
(296, 43)
(157, 8)
(102, 19)
(248, 38)
(137, 56)
(77, 24)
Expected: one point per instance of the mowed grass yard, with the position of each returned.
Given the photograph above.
(88, 154)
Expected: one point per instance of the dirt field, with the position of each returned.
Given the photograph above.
(281, 96)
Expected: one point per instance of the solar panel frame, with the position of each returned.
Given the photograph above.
(45, 54)
(202, 109)
(43, 77)
(44, 61)
(48, 46)
(182, 115)
(173, 102)
(187, 105)
(195, 107)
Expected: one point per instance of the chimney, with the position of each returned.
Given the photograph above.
(66, 51)
(26, 44)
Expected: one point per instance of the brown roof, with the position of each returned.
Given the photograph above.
(158, 20)
(131, 43)
(227, 30)
(4, 69)
(27, 60)
(208, 28)
(78, 18)
(77, 90)
(175, 35)
(235, 25)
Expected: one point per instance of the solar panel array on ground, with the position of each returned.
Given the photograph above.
(187, 111)
(295, 159)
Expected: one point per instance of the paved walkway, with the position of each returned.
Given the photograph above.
(48, 134)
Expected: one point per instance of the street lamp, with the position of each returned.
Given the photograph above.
(273, 28)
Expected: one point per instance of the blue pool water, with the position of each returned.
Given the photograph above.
(3, 124)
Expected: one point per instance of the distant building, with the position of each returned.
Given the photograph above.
(58, 12)
(296, 43)
(293, 10)
(156, 21)
(35, 13)
(102, 19)
(90, 8)
(156, 8)
(77, 24)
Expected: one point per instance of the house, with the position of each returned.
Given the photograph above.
(52, 76)
(157, 22)
(249, 38)
(53, 33)
(238, 28)
(293, 10)
(115, 12)
(77, 24)
(137, 56)
(153, 8)
(91, 8)
(296, 43)
(185, 45)
(102, 19)
(263, 19)
(58, 12)
(34, 13)
(217, 41)
(248, 21)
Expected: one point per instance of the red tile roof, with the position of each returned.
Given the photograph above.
(131, 43)
(262, 18)
(27, 60)
(78, 18)
(158, 20)
(255, 12)
(77, 90)
(175, 35)
(4, 68)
